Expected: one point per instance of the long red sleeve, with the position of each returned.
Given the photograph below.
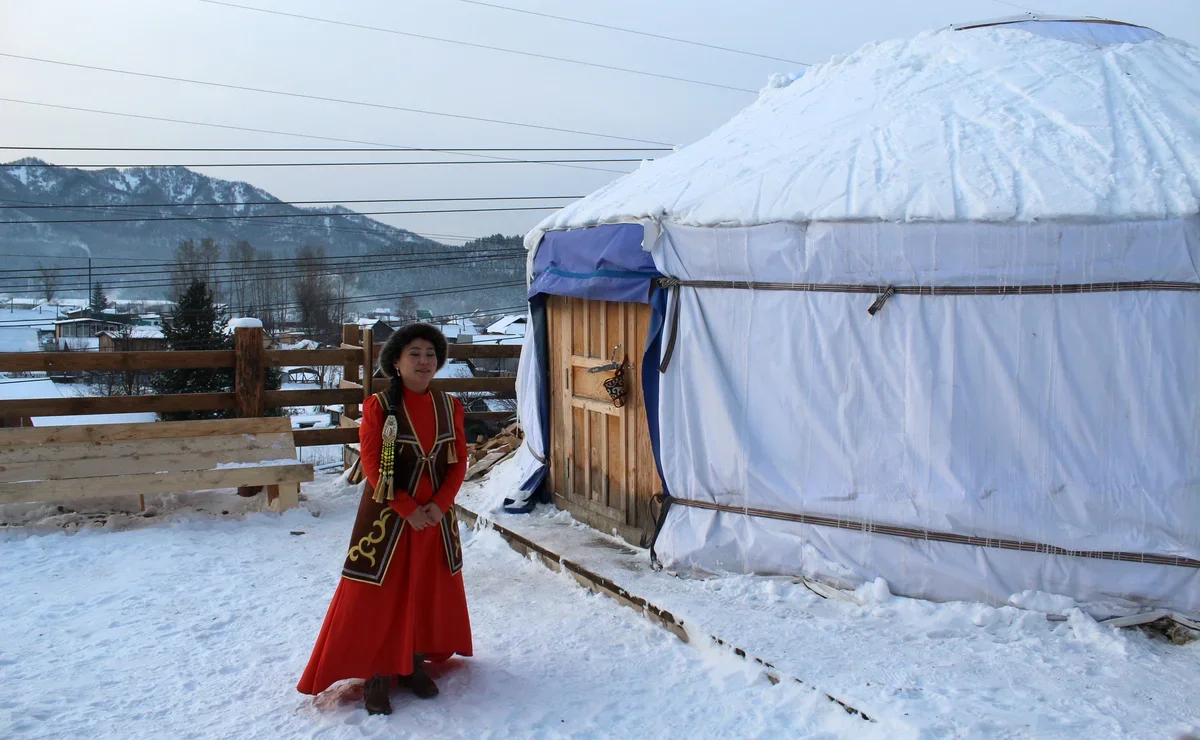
(370, 442)
(455, 473)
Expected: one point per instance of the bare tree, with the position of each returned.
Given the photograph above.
(241, 257)
(406, 309)
(269, 292)
(48, 281)
(320, 295)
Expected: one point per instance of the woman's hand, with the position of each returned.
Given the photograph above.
(432, 512)
(419, 519)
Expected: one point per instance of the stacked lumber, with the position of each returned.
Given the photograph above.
(482, 456)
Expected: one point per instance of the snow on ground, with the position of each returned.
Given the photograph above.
(18, 329)
(948, 670)
(195, 624)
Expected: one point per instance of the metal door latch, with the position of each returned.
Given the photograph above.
(612, 363)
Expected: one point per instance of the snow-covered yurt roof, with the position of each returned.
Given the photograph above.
(1011, 121)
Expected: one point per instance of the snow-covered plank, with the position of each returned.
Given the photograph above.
(102, 433)
(60, 462)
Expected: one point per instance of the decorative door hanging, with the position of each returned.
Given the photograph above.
(615, 386)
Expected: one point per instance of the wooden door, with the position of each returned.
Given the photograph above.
(601, 462)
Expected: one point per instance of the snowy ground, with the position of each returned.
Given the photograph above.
(197, 622)
(945, 670)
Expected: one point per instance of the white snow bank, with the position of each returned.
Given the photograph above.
(208, 635)
(955, 669)
(245, 323)
(989, 124)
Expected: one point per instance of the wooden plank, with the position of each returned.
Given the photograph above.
(352, 371)
(121, 485)
(484, 351)
(75, 361)
(349, 384)
(126, 462)
(282, 497)
(311, 397)
(493, 416)
(368, 363)
(311, 357)
(623, 432)
(117, 404)
(485, 464)
(331, 436)
(250, 374)
(467, 385)
(103, 433)
(470, 351)
(274, 445)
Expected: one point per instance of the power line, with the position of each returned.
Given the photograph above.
(445, 150)
(274, 216)
(630, 30)
(292, 272)
(336, 259)
(328, 99)
(378, 230)
(230, 127)
(336, 201)
(47, 165)
(501, 49)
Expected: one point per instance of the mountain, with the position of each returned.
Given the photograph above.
(142, 192)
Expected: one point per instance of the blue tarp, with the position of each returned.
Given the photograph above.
(605, 263)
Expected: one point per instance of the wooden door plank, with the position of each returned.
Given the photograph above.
(121, 485)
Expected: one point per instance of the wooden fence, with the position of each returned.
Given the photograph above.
(249, 360)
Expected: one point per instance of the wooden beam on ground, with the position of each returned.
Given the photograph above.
(656, 615)
(117, 404)
(311, 357)
(50, 362)
(332, 436)
(310, 397)
(487, 463)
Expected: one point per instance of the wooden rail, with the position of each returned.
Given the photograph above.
(249, 362)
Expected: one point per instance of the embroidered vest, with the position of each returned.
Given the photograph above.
(403, 462)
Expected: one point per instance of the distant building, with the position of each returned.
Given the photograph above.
(133, 339)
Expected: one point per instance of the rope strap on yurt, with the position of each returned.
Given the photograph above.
(928, 535)
(884, 292)
(663, 501)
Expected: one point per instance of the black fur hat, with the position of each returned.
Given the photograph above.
(404, 337)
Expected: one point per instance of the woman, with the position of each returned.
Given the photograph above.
(401, 601)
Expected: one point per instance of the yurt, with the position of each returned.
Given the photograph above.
(926, 313)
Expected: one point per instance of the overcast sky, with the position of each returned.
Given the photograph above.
(199, 40)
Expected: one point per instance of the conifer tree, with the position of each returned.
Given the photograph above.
(99, 301)
(196, 325)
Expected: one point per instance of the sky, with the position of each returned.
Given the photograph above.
(230, 45)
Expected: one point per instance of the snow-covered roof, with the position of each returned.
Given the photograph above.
(513, 324)
(498, 339)
(1031, 119)
(453, 369)
(137, 332)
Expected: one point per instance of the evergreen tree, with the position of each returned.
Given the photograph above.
(99, 300)
(196, 325)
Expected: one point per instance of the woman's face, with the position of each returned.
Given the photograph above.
(417, 364)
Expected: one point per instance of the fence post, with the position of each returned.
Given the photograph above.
(250, 373)
(368, 362)
(249, 381)
(350, 337)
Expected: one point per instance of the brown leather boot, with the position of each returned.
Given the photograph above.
(375, 695)
(419, 682)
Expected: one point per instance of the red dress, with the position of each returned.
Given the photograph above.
(419, 607)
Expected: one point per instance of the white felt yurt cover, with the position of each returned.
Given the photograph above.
(1028, 154)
